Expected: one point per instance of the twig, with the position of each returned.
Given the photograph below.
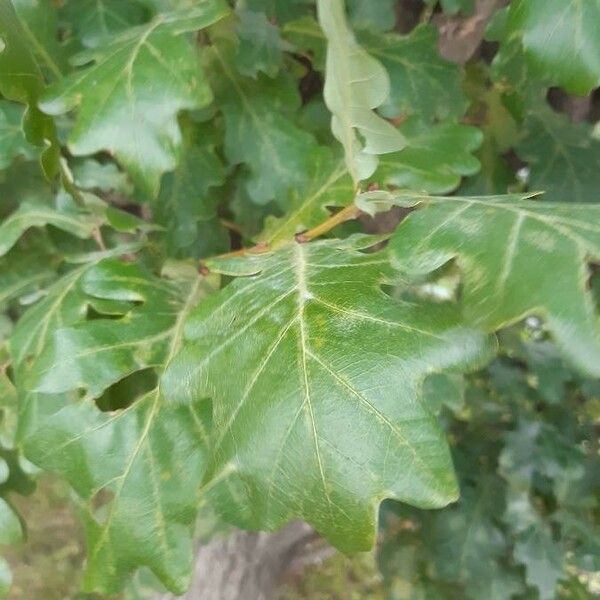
(346, 214)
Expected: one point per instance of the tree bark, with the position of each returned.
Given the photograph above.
(250, 566)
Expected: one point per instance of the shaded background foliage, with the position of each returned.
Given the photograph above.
(236, 149)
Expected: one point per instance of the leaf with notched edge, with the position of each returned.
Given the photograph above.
(563, 157)
(94, 21)
(21, 80)
(518, 258)
(435, 157)
(259, 129)
(421, 81)
(315, 377)
(30, 214)
(355, 85)
(560, 39)
(14, 144)
(128, 99)
(148, 458)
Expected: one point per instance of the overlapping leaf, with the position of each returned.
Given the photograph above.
(560, 39)
(543, 560)
(14, 143)
(563, 157)
(94, 21)
(355, 85)
(21, 80)
(434, 160)
(186, 205)
(328, 184)
(422, 82)
(10, 533)
(260, 46)
(29, 214)
(259, 130)
(517, 257)
(39, 22)
(319, 414)
(379, 16)
(153, 479)
(115, 94)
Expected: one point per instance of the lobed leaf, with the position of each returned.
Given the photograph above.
(517, 258)
(355, 84)
(149, 486)
(258, 130)
(319, 414)
(422, 82)
(328, 185)
(435, 159)
(21, 80)
(187, 202)
(14, 143)
(96, 21)
(563, 157)
(30, 214)
(114, 95)
(560, 40)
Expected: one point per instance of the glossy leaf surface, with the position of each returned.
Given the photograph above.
(304, 415)
(504, 245)
(124, 96)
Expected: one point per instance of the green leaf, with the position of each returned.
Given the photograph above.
(468, 544)
(63, 304)
(10, 526)
(258, 130)
(90, 174)
(379, 16)
(29, 214)
(5, 578)
(422, 82)
(186, 205)
(21, 80)
(39, 23)
(328, 184)
(504, 245)
(148, 456)
(560, 39)
(452, 7)
(95, 21)
(563, 157)
(281, 10)
(308, 37)
(23, 272)
(319, 415)
(355, 84)
(444, 389)
(260, 45)
(435, 158)
(543, 560)
(14, 143)
(115, 94)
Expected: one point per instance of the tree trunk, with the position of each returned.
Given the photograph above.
(250, 566)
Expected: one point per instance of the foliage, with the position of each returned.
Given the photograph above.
(449, 361)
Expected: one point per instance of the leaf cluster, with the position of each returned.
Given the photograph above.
(281, 259)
